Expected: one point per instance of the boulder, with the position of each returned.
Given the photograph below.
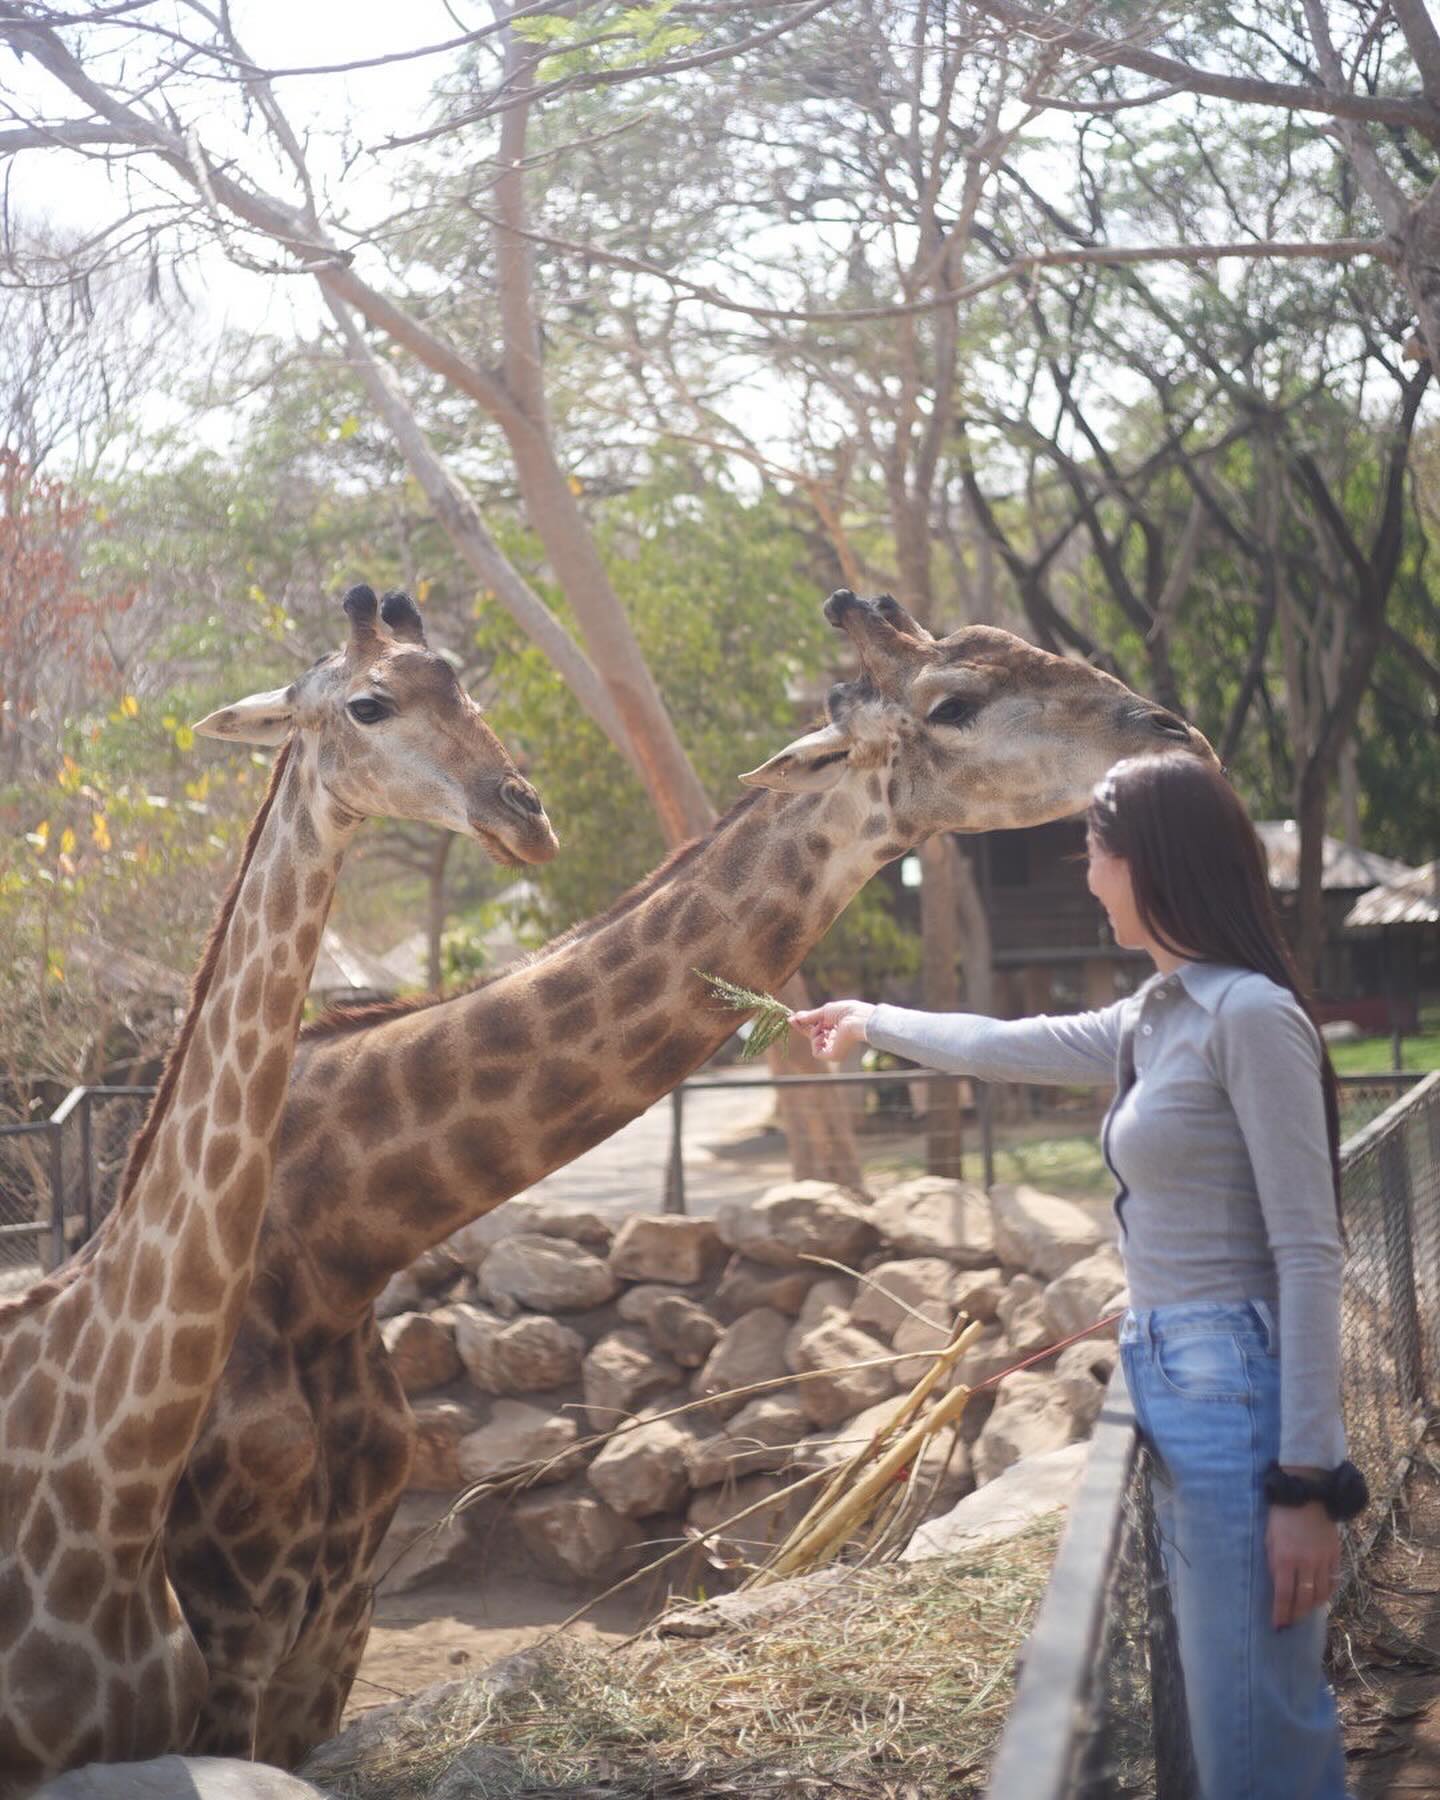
(418, 1722)
(1078, 1297)
(797, 1219)
(759, 1438)
(651, 1248)
(1083, 1371)
(406, 1290)
(1019, 1288)
(934, 1216)
(472, 1243)
(518, 1434)
(552, 1218)
(918, 1281)
(1021, 1310)
(842, 1391)
(547, 1274)
(712, 1506)
(179, 1778)
(976, 1292)
(1041, 1232)
(748, 1608)
(421, 1349)
(746, 1285)
(643, 1468)
(527, 1355)
(422, 1538)
(439, 1427)
(989, 1354)
(575, 1535)
(682, 1329)
(636, 1304)
(1031, 1414)
(622, 1370)
(829, 1299)
(1028, 1490)
(931, 1331)
(750, 1350)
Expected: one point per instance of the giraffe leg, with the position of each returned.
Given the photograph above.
(306, 1695)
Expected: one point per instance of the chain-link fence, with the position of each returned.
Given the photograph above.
(1099, 1711)
(60, 1176)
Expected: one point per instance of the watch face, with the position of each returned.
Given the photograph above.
(1349, 1494)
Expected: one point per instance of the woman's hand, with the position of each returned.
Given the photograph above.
(1302, 1545)
(835, 1027)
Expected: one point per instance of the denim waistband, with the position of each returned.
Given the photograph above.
(1200, 1318)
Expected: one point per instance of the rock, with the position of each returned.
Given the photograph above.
(1031, 1414)
(527, 1355)
(650, 1248)
(547, 1274)
(829, 1299)
(916, 1281)
(472, 1243)
(933, 1331)
(622, 1370)
(636, 1304)
(712, 1506)
(751, 1607)
(575, 1535)
(1083, 1371)
(439, 1427)
(643, 1469)
(1041, 1232)
(750, 1350)
(179, 1778)
(1077, 1298)
(422, 1539)
(683, 1330)
(422, 1351)
(934, 1216)
(1028, 1330)
(796, 1219)
(551, 1219)
(759, 1438)
(976, 1292)
(1018, 1289)
(746, 1285)
(990, 1354)
(1025, 1492)
(843, 1391)
(518, 1434)
(481, 1772)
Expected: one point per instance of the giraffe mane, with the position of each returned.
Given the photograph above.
(199, 988)
(341, 1020)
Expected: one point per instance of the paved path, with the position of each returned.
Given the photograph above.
(627, 1172)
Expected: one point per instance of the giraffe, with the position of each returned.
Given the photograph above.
(107, 1366)
(403, 1125)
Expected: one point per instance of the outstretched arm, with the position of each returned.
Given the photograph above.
(1078, 1048)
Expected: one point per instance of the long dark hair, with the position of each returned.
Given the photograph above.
(1198, 871)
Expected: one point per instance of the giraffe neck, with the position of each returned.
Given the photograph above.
(430, 1119)
(144, 1323)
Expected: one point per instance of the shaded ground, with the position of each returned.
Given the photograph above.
(1390, 1694)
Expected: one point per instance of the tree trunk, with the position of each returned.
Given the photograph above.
(818, 1123)
(940, 945)
(436, 907)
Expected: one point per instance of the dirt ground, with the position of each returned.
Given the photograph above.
(1390, 1695)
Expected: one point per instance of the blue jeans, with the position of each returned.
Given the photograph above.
(1204, 1378)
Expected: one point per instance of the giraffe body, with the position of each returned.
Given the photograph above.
(108, 1366)
(400, 1129)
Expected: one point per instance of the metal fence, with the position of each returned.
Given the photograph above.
(1099, 1710)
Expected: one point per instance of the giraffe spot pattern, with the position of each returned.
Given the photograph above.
(267, 1090)
(78, 1494)
(147, 1283)
(75, 1586)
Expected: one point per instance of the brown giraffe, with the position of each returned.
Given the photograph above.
(401, 1127)
(106, 1368)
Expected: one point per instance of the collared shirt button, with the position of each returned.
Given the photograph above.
(1147, 1029)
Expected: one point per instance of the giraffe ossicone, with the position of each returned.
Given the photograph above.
(401, 1128)
(107, 1366)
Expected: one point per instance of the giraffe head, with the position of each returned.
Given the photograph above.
(395, 735)
(972, 732)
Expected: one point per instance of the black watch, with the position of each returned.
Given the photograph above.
(1341, 1491)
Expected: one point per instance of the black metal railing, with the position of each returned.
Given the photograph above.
(1099, 1709)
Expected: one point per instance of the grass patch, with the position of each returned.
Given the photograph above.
(895, 1683)
(1371, 1056)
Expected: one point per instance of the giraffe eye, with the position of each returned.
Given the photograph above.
(366, 710)
(957, 710)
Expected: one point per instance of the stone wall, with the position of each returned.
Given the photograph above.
(537, 1327)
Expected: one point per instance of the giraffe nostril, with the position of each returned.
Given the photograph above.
(520, 797)
(1167, 725)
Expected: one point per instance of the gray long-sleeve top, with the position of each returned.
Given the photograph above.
(1218, 1144)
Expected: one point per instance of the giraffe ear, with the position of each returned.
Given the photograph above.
(261, 719)
(810, 764)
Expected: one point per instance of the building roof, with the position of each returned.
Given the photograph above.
(1412, 900)
(344, 968)
(1342, 865)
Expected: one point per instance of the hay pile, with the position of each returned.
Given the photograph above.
(890, 1682)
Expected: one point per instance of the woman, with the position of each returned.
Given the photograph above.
(1223, 1138)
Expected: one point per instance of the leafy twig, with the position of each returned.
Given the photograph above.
(772, 1016)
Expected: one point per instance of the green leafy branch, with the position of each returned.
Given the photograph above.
(772, 1016)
